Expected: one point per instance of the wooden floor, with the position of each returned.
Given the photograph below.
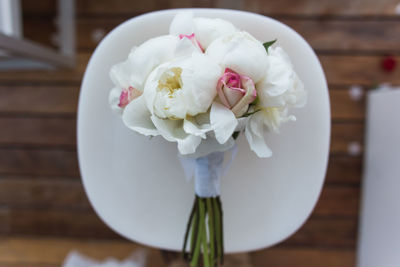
(44, 212)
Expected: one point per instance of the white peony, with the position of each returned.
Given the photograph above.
(129, 76)
(242, 53)
(279, 90)
(176, 96)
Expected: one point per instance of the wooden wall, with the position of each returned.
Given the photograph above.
(41, 194)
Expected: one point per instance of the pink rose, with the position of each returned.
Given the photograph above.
(236, 92)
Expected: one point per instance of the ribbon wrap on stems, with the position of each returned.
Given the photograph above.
(207, 171)
(205, 224)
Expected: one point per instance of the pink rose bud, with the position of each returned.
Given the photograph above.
(236, 92)
(127, 95)
(193, 39)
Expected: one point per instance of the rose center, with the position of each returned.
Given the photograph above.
(234, 80)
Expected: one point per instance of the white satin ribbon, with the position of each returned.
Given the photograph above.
(207, 171)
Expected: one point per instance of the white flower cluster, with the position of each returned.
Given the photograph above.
(203, 82)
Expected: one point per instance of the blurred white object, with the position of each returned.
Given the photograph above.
(356, 92)
(10, 18)
(379, 236)
(19, 53)
(75, 259)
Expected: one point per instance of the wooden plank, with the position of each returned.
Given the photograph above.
(339, 69)
(338, 201)
(30, 264)
(325, 34)
(325, 232)
(344, 108)
(345, 134)
(48, 30)
(38, 131)
(38, 162)
(52, 251)
(61, 194)
(317, 232)
(363, 70)
(63, 76)
(303, 257)
(284, 7)
(348, 35)
(65, 223)
(344, 170)
(322, 7)
(43, 193)
(43, 7)
(104, 7)
(46, 100)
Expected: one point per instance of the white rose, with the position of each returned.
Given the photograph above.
(279, 90)
(176, 95)
(205, 30)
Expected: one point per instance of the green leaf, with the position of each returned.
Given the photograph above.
(235, 135)
(255, 102)
(251, 113)
(268, 44)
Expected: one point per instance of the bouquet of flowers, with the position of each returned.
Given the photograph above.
(200, 86)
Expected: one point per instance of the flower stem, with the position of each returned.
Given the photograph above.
(218, 228)
(194, 234)
(211, 230)
(192, 215)
(198, 237)
(204, 238)
(206, 233)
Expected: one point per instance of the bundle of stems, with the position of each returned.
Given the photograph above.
(205, 228)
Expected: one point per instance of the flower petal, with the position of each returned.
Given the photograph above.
(182, 24)
(281, 86)
(172, 131)
(190, 126)
(243, 105)
(210, 145)
(148, 56)
(223, 122)
(189, 144)
(200, 80)
(186, 47)
(240, 52)
(207, 29)
(136, 116)
(273, 117)
(120, 74)
(113, 99)
(255, 136)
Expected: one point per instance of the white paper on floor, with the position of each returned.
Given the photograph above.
(379, 236)
(75, 259)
